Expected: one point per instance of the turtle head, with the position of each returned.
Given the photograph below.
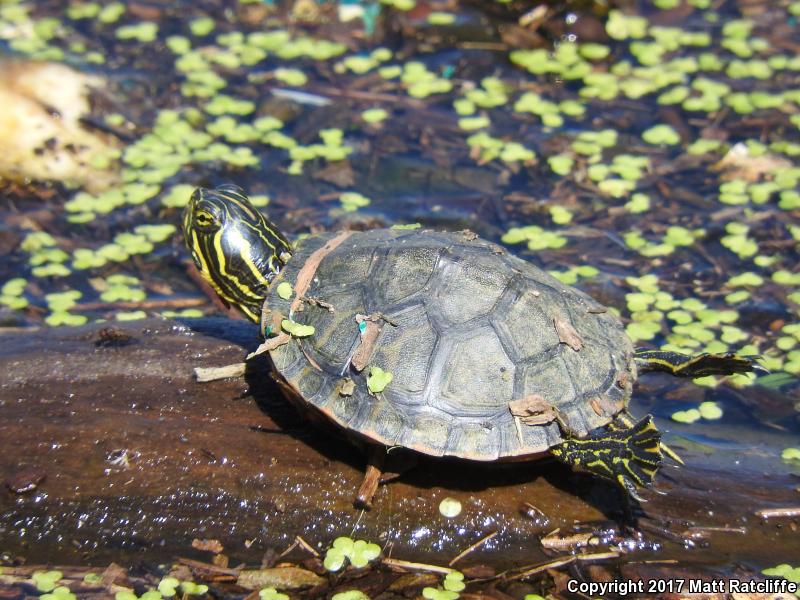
(236, 249)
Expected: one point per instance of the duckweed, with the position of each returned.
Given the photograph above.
(352, 201)
(638, 203)
(537, 238)
(374, 115)
(45, 581)
(661, 135)
(60, 593)
(561, 164)
(168, 586)
(450, 508)
(378, 379)
(271, 594)
(141, 32)
(358, 553)
(560, 215)
(350, 595)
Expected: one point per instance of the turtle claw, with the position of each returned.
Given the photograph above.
(630, 488)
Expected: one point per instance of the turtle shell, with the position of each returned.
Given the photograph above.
(464, 328)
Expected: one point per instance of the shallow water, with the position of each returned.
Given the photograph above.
(579, 153)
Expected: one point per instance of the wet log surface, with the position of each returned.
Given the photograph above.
(110, 451)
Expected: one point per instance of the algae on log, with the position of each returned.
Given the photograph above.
(109, 450)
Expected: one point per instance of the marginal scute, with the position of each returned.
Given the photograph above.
(390, 420)
(478, 440)
(430, 433)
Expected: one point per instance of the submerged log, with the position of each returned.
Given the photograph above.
(111, 451)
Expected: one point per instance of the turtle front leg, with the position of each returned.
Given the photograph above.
(697, 365)
(372, 477)
(629, 456)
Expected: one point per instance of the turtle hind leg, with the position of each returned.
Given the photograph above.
(629, 456)
(696, 365)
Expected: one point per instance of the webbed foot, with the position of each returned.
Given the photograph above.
(630, 456)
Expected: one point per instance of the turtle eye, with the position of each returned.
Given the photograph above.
(205, 220)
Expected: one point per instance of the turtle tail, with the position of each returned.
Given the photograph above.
(630, 456)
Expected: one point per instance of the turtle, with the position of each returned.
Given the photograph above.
(439, 342)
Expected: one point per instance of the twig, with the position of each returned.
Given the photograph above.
(405, 565)
(291, 547)
(368, 96)
(201, 566)
(306, 546)
(560, 562)
(471, 548)
(205, 374)
(700, 532)
(768, 513)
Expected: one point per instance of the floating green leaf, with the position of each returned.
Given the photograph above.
(661, 134)
(352, 201)
(349, 595)
(710, 410)
(686, 416)
(359, 552)
(45, 581)
(450, 507)
(271, 594)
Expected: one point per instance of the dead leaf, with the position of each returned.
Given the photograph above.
(556, 541)
(595, 404)
(346, 387)
(533, 410)
(339, 174)
(220, 560)
(413, 580)
(567, 334)
(207, 545)
(739, 164)
(281, 578)
(370, 328)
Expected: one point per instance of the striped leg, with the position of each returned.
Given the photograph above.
(697, 365)
(623, 420)
(630, 456)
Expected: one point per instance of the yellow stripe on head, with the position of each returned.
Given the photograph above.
(237, 250)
